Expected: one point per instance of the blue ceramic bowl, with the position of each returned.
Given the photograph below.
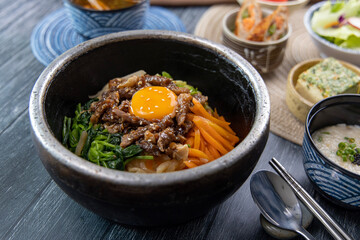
(93, 23)
(339, 185)
(326, 48)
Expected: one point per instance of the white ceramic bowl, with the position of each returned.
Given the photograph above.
(326, 48)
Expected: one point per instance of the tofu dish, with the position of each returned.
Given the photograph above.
(325, 79)
(148, 124)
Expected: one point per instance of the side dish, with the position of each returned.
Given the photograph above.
(339, 23)
(325, 79)
(251, 25)
(148, 124)
(341, 144)
(106, 4)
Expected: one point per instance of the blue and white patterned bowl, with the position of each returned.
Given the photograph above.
(326, 48)
(339, 185)
(93, 23)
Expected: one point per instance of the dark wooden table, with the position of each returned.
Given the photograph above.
(32, 206)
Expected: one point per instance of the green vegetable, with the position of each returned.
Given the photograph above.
(193, 90)
(245, 14)
(272, 29)
(101, 147)
(347, 150)
(344, 35)
(166, 74)
(66, 130)
(337, 6)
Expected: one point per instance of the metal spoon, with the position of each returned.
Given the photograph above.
(277, 202)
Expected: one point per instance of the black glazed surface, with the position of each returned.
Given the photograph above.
(232, 85)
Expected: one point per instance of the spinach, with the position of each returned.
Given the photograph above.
(88, 104)
(101, 147)
(131, 151)
(166, 74)
(66, 130)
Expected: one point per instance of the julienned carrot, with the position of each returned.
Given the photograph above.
(216, 115)
(197, 161)
(202, 146)
(190, 141)
(191, 133)
(190, 116)
(213, 142)
(214, 152)
(200, 110)
(226, 127)
(197, 153)
(202, 123)
(223, 132)
(197, 139)
(190, 164)
(207, 152)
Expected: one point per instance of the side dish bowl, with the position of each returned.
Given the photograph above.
(326, 48)
(297, 104)
(292, 5)
(92, 23)
(334, 182)
(232, 84)
(264, 56)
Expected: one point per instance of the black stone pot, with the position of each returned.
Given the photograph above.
(233, 87)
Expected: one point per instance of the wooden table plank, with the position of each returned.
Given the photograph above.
(22, 177)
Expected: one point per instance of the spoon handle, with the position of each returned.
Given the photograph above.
(302, 231)
(333, 228)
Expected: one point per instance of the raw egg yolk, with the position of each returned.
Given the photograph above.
(153, 103)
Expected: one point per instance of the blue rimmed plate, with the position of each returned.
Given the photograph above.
(54, 34)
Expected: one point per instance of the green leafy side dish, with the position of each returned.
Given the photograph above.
(333, 22)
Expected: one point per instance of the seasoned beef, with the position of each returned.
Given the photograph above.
(132, 136)
(125, 106)
(185, 128)
(201, 98)
(178, 90)
(114, 127)
(165, 138)
(99, 108)
(155, 137)
(149, 148)
(156, 80)
(129, 118)
(184, 101)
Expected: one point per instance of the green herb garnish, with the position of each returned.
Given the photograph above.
(347, 150)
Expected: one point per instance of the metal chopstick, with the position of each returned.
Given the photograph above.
(333, 228)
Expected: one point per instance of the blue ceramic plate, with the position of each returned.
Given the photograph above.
(54, 34)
